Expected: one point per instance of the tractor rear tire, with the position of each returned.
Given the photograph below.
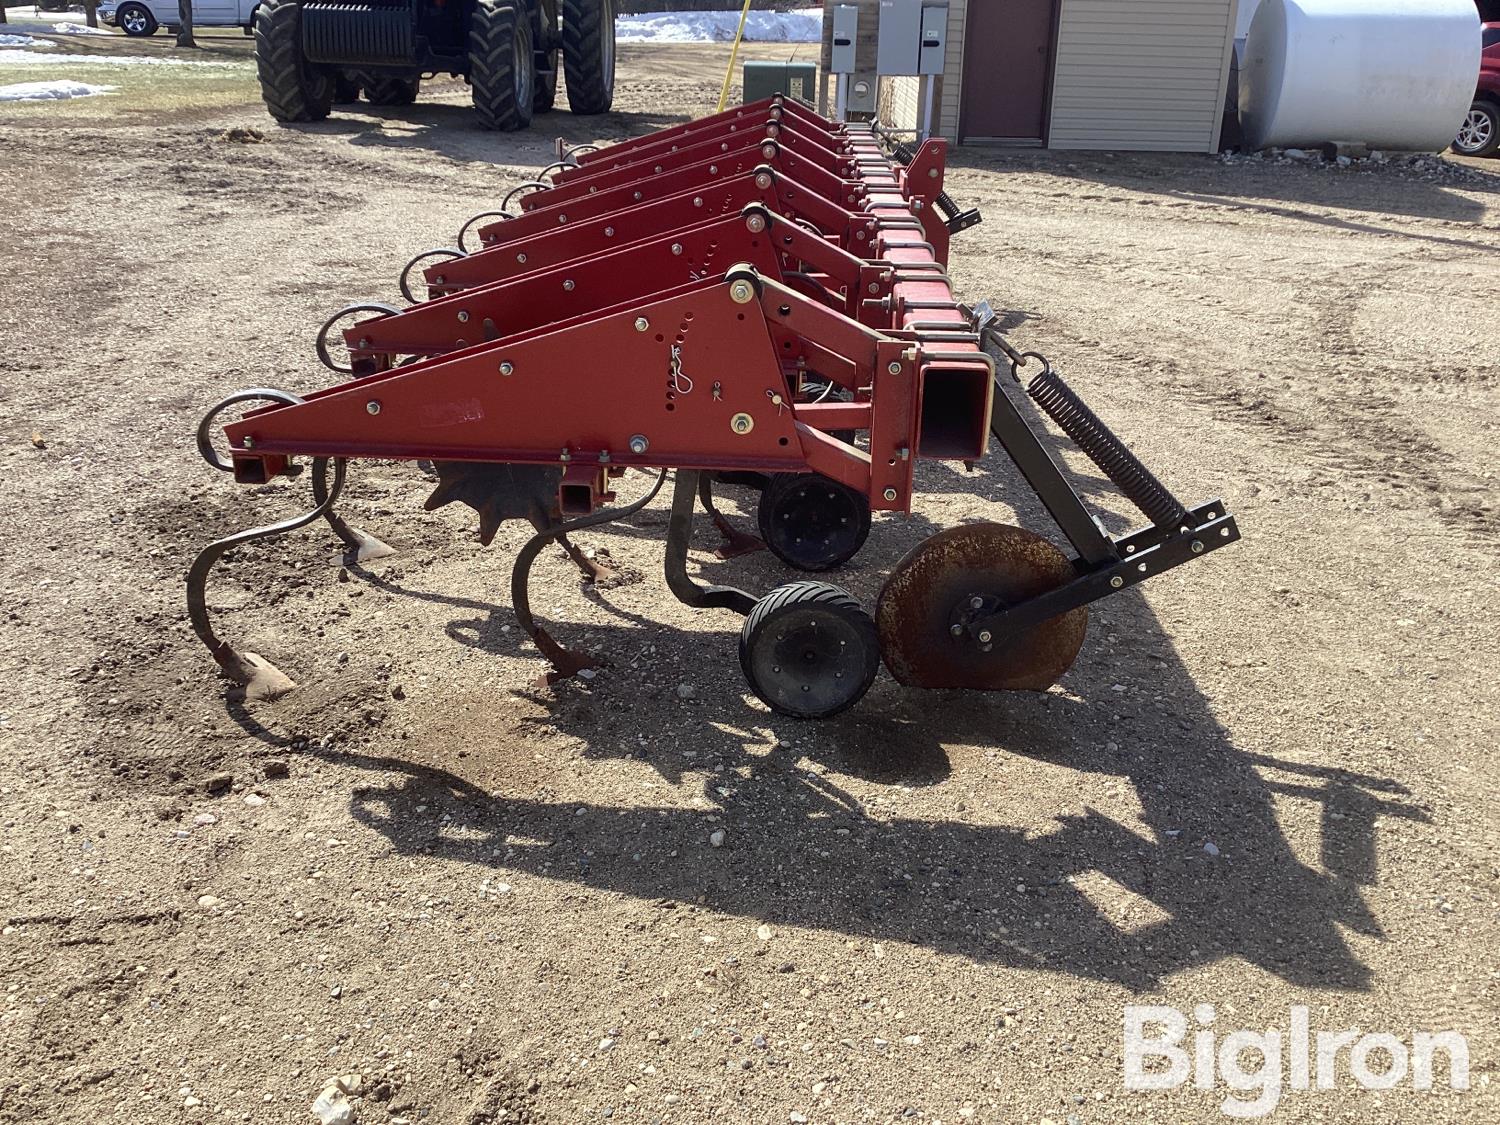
(392, 91)
(294, 90)
(502, 65)
(588, 35)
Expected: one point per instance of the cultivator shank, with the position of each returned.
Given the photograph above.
(759, 297)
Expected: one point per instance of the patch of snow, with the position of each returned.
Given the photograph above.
(79, 29)
(801, 25)
(26, 58)
(23, 41)
(58, 89)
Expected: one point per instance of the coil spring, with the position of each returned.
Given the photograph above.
(1062, 404)
(905, 152)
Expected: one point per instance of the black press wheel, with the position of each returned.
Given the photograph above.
(392, 91)
(293, 88)
(588, 39)
(136, 20)
(811, 522)
(502, 65)
(809, 650)
(1479, 135)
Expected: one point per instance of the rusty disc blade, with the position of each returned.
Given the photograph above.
(933, 587)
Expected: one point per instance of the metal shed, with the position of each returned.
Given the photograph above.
(1083, 74)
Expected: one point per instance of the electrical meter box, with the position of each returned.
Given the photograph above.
(860, 97)
(845, 32)
(934, 48)
(897, 36)
(794, 79)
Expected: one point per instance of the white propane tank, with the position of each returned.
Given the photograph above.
(1396, 74)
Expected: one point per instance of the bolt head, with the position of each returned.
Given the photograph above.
(697, 201)
(506, 369)
(976, 603)
(521, 258)
(742, 423)
(932, 173)
(609, 232)
(1197, 546)
(741, 292)
(756, 223)
(677, 248)
(373, 406)
(568, 285)
(890, 494)
(463, 316)
(641, 324)
(956, 629)
(985, 636)
(1117, 582)
(639, 444)
(894, 368)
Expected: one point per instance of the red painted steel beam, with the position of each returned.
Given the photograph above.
(701, 179)
(769, 142)
(758, 113)
(777, 247)
(526, 244)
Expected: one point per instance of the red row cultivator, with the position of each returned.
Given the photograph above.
(767, 292)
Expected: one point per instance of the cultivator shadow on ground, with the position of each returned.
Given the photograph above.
(767, 292)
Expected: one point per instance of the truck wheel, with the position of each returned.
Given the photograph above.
(293, 89)
(502, 65)
(392, 91)
(136, 20)
(546, 84)
(588, 35)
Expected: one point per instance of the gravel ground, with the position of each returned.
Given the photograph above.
(1265, 783)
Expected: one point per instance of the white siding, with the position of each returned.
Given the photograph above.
(1141, 74)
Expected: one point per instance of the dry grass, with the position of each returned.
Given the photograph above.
(141, 91)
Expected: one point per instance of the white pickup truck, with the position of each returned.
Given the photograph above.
(143, 17)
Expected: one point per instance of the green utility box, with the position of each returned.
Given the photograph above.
(795, 79)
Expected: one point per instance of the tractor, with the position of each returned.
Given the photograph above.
(311, 54)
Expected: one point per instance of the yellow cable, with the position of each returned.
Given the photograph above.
(733, 54)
